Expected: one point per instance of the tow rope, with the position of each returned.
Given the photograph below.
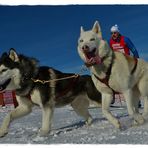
(54, 80)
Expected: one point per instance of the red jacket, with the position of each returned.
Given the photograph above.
(119, 45)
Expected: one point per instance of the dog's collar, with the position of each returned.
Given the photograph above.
(106, 79)
(108, 73)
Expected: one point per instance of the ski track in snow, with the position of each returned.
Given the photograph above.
(69, 128)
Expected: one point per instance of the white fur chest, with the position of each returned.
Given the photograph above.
(36, 97)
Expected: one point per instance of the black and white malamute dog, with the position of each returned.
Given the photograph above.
(42, 86)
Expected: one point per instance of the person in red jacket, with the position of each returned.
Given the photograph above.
(122, 44)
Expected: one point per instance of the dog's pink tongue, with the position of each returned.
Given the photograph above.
(95, 60)
(98, 60)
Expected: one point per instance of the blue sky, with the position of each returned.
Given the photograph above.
(50, 33)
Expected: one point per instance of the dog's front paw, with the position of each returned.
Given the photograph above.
(118, 125)
(3, 132)
(89, 121)
(138, 119)
(43, 133)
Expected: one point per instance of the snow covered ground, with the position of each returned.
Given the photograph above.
(69, 128)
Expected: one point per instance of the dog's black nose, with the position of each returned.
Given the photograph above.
(85, 47)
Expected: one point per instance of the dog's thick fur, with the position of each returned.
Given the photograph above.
(121, 72)
(18, 72)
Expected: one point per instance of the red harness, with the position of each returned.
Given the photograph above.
(106, 79)
(4, 101)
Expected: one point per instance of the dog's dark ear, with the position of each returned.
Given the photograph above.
(97, 29)
(13, 55)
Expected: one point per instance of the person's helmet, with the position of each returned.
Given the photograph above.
(115, 28)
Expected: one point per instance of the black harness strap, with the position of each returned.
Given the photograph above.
(135, 66)
(14, 99)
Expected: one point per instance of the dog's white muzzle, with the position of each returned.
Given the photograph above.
(91, 56)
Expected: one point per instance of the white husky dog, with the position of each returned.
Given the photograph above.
(114, 72)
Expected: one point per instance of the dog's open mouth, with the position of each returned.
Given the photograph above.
(4, 84)
(92, 58)
(90, 54)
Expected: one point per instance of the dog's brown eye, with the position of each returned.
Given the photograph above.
(92, 39)
(81, 40)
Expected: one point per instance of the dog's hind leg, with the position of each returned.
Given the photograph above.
(47, 114)
(145, 110)
(24, 108)
(132, 109)
(106, 101)
(80, 106)
(136, 98)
